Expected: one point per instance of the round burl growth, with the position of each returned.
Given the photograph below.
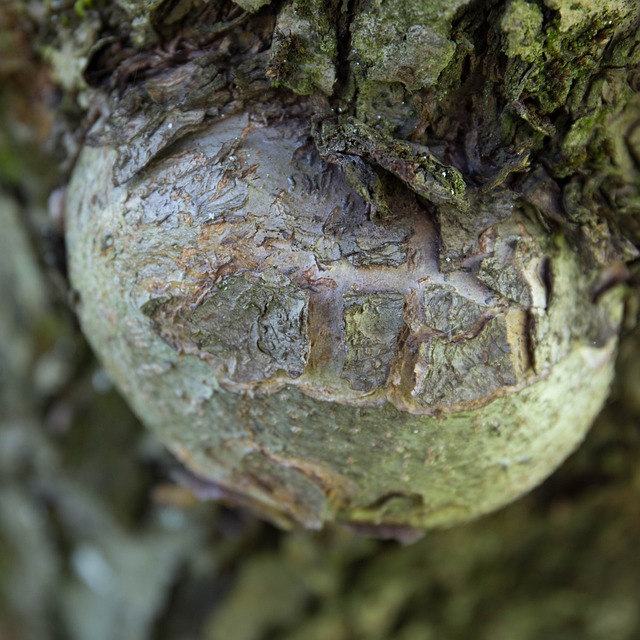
(320, 359)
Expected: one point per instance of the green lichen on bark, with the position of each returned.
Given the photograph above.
(304, 49)
(455, 373)
(522, 25)
(252, 5)
(403, 41)
(259, 327)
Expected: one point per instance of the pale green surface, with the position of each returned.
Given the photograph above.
(404, 41)
(574, 12)
(252, 5)
(522, 22)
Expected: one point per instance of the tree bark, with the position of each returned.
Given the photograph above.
(531, 110)
(419, 259)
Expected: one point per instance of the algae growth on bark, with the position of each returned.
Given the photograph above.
(354, 261)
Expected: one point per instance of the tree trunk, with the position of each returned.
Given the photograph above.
(351, 261)
(344, 259)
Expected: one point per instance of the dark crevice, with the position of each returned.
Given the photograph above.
(344, 80)
(546, 275)
(530, 346)
(120, 65)
(400, 533)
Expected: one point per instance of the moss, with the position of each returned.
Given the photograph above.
(11, 164)
(304, 49)
(81, 6)
(403, 41)
(576, 142)
(573, 13)
(388, 106)
(522, 24)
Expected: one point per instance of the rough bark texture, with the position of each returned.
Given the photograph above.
(242, 332)
(96, 545)
(345, 261)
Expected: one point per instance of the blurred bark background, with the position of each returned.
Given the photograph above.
(98, 541)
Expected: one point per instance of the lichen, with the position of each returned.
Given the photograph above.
(372, 328)
(304, 49)
(252, 5)
(574, 12)
(522, 24)
(402, 41)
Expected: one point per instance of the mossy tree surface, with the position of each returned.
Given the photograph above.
(329, 251)
(96, 545)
